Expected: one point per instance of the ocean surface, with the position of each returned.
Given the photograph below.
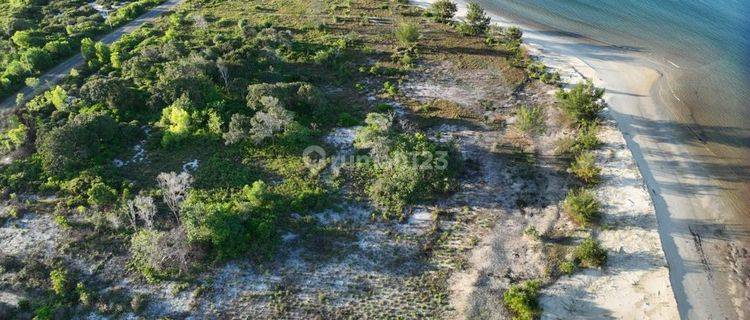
(703, 44)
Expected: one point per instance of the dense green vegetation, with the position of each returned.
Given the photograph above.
(241, 101)
(183, 142)
(523, 300)
(36, 34)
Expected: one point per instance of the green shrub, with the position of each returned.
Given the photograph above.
(407, 34)
(14, 136)
(46, 312)
(87, 140)
(582, 103)
(58, 97)
(84, 295)
(537, 70)
(523, 300)
(407, 168)
(531, 119)
(582, 206)
(390, 88)
(477, 21)
(100, 194)
(21, 175)
(590, 254)
(585, 140)
(567, 267)
(37, 58)
(299, 97)
(160, 255)
(59, 281)
(513, 33)
(240, 225)
(176, 121)
(443, 10)
(585, 169)
(62, 221)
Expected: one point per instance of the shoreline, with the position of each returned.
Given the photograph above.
(700, 219)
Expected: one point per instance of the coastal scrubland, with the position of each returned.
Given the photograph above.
(299, 159)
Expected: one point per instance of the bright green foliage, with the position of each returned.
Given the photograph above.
(176, 121)
(62, 221)
(587, 139)
(28, 38)
(583, 102)
(102, 53)
(243, 223)
(590, 254)
(36, 58)
(88, 49)
(567, 267)
(537, 70)
(531, 119)
(214, 123)
(523, 300)
(514, 33)
(585, 169)
(582, 206)
(84, 295)
(130, 11)
(443, 10)
(60, 283)
(390, 88)
(407, 34)
(58, 48)
(96, 54)
(14, 136)
(58, 97)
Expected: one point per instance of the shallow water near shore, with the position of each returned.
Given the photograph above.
(702, 46)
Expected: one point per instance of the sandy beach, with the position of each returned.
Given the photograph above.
(697, 195)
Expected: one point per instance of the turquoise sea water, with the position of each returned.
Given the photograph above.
(708, 39)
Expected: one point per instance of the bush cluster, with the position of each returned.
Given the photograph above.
(443, 10)
(582, 206)
(583, 103)
(590, 254)
(523, 300)
(585, 169)
(406, 167)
